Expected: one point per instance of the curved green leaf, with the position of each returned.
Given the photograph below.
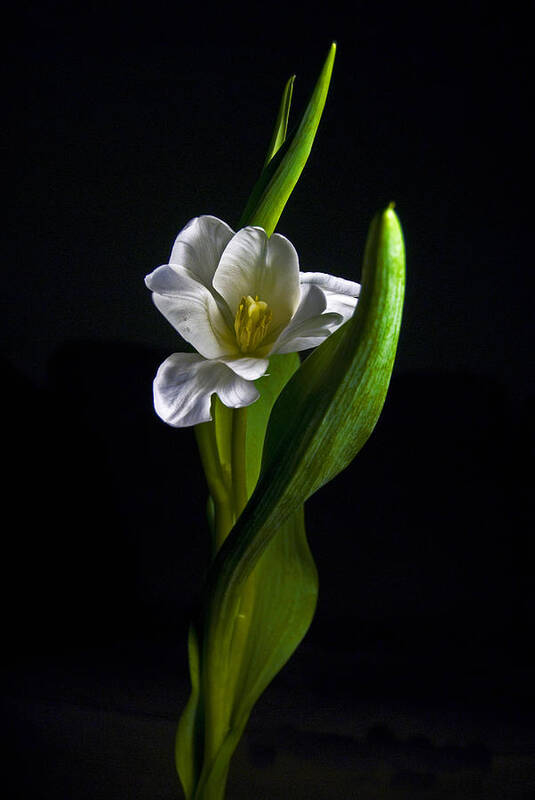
(279, 598)
(322, 418)
(285, 601)
(331, 406)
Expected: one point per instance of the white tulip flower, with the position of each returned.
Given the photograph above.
(237, 298)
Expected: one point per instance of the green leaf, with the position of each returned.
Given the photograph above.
(189, 735)
(330, 407)
(322, 418)
(285, 601)
(276, 183)
(281, 125)
(280, 595)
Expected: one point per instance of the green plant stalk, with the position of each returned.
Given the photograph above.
(239, 460)
(222, 447)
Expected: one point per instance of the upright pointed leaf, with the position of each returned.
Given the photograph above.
(277, 181)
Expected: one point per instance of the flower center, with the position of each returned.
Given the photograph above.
(251, 323)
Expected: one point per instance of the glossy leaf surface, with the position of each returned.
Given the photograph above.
(322, 418)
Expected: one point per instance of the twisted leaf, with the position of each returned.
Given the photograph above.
(320, 421)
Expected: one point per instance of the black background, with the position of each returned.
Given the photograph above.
(415, 678)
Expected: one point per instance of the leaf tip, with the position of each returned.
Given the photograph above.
(329, 60)
(332, 49)
(389, 215)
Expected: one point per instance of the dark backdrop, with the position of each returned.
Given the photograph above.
(122, 124)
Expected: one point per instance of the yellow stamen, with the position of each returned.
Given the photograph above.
(251, 323)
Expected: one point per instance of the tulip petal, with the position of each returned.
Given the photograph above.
(310, 333)
(343, 304)
(248, 368)
(254, 265)
(310, 325)
(185, 383)
(341, 295)
(199, 246)
(192, 310)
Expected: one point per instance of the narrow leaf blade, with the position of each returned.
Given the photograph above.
(189, 735)
(276, 183)
(281, 124)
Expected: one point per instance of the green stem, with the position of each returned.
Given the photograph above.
(239, 460)
(230, 438)
(223, 447)
(223, 419)
(244, 612)
(214, 440)
(206, 442)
